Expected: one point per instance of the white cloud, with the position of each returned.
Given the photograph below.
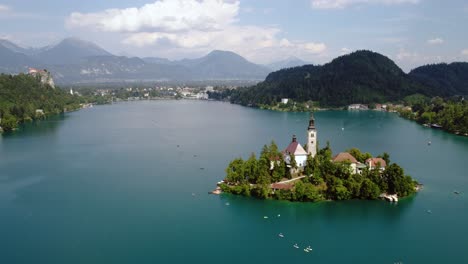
(162, 15)
(256, 43)
(339, 4)
(404, 55)
(4, 8)
(229, 37)
(414, 59)
(194, 26)
(285, 43)
(435, 41)
(344, 51)
(464, 52)
(314, 48)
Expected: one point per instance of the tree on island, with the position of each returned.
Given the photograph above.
(361, 157)
(251, 169)
(369, 189)
(397, 182)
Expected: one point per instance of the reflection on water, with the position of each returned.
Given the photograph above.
(37, 127)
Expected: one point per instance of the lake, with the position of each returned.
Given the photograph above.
(129, 182)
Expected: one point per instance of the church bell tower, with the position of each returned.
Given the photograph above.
(311, 137)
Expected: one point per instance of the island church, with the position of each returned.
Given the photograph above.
(300, 154)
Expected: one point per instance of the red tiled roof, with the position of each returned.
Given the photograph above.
(295, 148)
(375, 161)
(291, 148)
(281, 186)
(344, 156)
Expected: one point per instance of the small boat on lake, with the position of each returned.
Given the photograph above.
(280, 235)
(295, 246)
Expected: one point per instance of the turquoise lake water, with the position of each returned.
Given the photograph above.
(109, 185)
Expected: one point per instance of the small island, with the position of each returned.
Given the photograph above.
(310, 174)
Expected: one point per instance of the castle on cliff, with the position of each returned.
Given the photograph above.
(43, 75)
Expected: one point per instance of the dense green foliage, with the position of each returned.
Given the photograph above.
(21, 95)
(324, 178)
(444, 79)
(451, 114)
(360, 77)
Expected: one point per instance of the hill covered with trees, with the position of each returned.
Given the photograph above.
(445, 79)
(360, 77)
(24, 98)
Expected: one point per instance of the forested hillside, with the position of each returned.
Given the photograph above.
(24, 97)
(444, 79)
(359, 77)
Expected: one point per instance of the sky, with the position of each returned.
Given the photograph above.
(410, 32)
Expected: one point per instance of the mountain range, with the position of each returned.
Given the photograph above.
(360, 77)
(77, 61)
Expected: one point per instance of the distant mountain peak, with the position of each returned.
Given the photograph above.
(12, 46)
(223, 53)
(70, 51)
(4, 41)
(84, 44)
(292, 58)
(289, 62)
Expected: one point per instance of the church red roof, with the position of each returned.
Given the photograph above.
(292, 147)
(295, 148)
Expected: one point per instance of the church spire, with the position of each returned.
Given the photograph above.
(311, 121)
(312, 136)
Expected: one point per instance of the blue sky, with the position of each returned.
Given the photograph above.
(411, 32)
